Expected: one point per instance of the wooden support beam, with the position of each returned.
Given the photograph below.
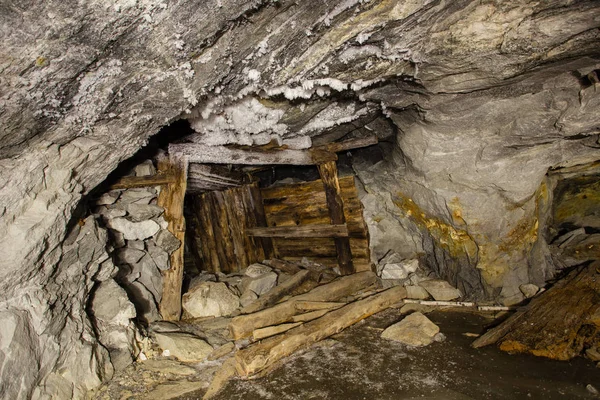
(261, 219)
(130, 182)
(301, 231)
(329, 176)
(198, 153)
(171, 198)
(350, 144)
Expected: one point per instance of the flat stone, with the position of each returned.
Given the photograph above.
(183, 346)
(210, 299)
(167, 241)
(529, 290)
(440, 290)
(134, 230)
(111, 212)
(107, 198)
(145, 168)
(169, 367)
(416, 292)
(394, 267)
(261, 284)
(128, 255)
(414, 330)
(141, 212)
(142, 196)
(256, 270)
(159, 255)
(136, 244)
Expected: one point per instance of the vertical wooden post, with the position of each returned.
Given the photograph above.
(329, 176)
(171, 198)
(261, 219)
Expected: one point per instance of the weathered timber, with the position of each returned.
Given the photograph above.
(302, 231)
(243, 325)
(261, 356)
(213, 177)
(284, 266)
(159, 179)
(277, 293)
(210, 252)
(329, 176)
(350, 144)
(309, 316)
(559, 323)
(220, 379)
(261, 220)
(268, 331)
(235, 230)
(304, 306)
(202, 154)
(171, 198)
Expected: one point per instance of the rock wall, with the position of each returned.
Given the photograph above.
(485, 97)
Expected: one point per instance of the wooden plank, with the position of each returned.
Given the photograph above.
(130, 182)
(268, 331)
(329, 176)
(239, 211)
(212, 254)
(301, 231)
(350, 144)
(202, 154)
(224, 241)
(243, 325)
(250, 222)
(318, 247)
(261, 356)
(277, 293)
(235, 231)
(171, 198)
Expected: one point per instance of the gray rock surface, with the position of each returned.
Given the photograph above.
(256, 270)
(414, 330)
(480, 100)
(139, 212)
(261, 284)
(210, 299)
(394, 266)
(416, 292)
(167, 241)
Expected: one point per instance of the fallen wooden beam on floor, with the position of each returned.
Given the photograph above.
(261, 356)
(202, 154)
(131, 182)
(171, 198)
(329, 176)
(277, 293)
(262, 333)
(558, 323)
(242, 326)
(301, 231)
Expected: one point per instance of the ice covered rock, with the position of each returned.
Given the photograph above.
(414, 330)
(210, 299)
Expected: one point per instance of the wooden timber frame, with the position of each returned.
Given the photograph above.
(172, 176)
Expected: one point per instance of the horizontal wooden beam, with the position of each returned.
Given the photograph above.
(350, 144)
(130, 182)
(301, 231)
(202, 154)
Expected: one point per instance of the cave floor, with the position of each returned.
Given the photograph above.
(358, 364)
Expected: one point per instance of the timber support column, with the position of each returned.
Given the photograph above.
(329, 176)
(171, 198)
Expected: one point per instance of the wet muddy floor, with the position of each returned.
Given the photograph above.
(358, 364)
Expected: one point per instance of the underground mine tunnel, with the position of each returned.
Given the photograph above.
(276, 199)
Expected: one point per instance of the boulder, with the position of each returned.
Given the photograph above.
(141, 196)
(141, 212)
(134, 230)
(247, 298)
(183, 346)
(260, 284)
(256, 270)
(145, 168)
(440, 290)
(128, 255)
(416, 292)
(149, 276)
(167, 241)
(210, 299)
(414, 330)
(107, 198)
(529, 290)
(110, 212)
(393, 266)
(136, 244)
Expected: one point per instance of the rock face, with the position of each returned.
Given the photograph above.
(478, 100)
(210, 299)
(414, 330)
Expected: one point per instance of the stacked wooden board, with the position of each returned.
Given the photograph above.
(305, 204)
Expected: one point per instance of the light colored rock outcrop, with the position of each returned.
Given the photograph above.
(183, 346)
(439, 289)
